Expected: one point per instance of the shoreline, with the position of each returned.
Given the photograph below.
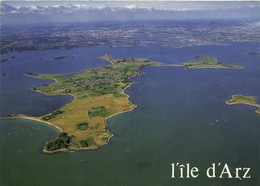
(68, 150)
(41, 78)
(213, 68)
(62, 94)
(123, 91)
(34, 119)
(74, 97)
(42, 121)
(258, 106)
(254, 105)
(233, 96)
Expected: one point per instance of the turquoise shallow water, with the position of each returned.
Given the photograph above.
(181, 117)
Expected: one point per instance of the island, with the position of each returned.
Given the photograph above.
(6, 59)
(98, 95)
(209, 62)
(62, 57)
(248, 100)
(3, 60)
(254, 53)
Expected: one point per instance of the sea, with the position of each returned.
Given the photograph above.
(181, 118)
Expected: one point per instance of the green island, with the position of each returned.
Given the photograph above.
(209, 62)
(248, 100)
(62, 57)
(98, 95)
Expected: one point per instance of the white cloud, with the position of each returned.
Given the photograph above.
(122, 11)
(90, 7)
(130, 6)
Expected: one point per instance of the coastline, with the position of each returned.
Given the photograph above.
(34, 119)
(123, 91)
(74, 97)
(45, 122)
(239, 102)
(258, 106)
(41, 78)
(69, 149)
(233, 68)
(62, 94)
(58, 128)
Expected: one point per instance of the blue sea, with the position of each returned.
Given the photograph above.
(181, 117)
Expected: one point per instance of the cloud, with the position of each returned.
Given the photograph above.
(7, 9)
(131, 6)
(123, 11)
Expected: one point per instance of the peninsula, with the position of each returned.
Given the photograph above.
(209, 62)
(248, 100)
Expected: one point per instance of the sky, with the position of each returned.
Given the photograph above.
(41, 12)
